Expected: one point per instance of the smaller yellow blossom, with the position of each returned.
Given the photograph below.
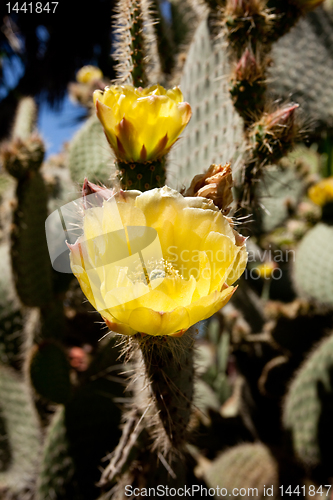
(141, 124)
(266, 269)
(88, 73)
(322, 192)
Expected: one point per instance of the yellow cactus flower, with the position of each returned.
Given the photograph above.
(266, 269)
(88, 73)
(322, 192)
(157, 262)
(141, 124)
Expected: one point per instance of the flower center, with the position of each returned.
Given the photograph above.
(152, 270)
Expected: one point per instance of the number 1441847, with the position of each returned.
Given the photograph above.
(309, 490)
(32, 7)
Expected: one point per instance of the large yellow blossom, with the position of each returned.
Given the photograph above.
(157, 262)
(322, 192)
(141, 124)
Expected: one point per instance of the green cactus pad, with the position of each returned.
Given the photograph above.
(30, 258)
(303, 67)
(23, 433)
(308, 406)
(11, 315)
(313, 268)
(205, 398)
(25, 118)
(90, 154)
(248, 465)
(279, 190)
(215, 131)
(57, 468)
(49, 372)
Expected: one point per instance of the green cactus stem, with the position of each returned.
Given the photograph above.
(25, 119)
(168, 366)
(29, 253)
(132, 46)
(142, 176)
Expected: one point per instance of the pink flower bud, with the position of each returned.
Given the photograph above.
(247, 67)
(100, 193)
(283, 117)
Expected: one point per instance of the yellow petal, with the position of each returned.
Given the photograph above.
(146, 320)
(109, 122)
(117, 327)
(238, 266)
(222, 252)
(209, 305)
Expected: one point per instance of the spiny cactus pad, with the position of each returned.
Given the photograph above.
(30, 258)
(308, 409)
(89, 154)
(248, 465)
(303, 66)
(25, 119)
(214, 134)
(57, 468)
(279, 190)
(23, 432)
(313, 268)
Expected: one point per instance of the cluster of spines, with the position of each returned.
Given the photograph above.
(135, 45)
(250, 27)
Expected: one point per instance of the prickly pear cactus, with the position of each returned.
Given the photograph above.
(248, 465)
(11, 316)
(303, 66)
(23, 433)
(57, 468)
(30, 259)
(26, 117)
(313, 267)
(308, 406)
(89, 154)
(214, 134)
(170, 370)
(279, 190)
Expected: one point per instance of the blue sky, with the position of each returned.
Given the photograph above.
(56, 125)
(59, 125)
